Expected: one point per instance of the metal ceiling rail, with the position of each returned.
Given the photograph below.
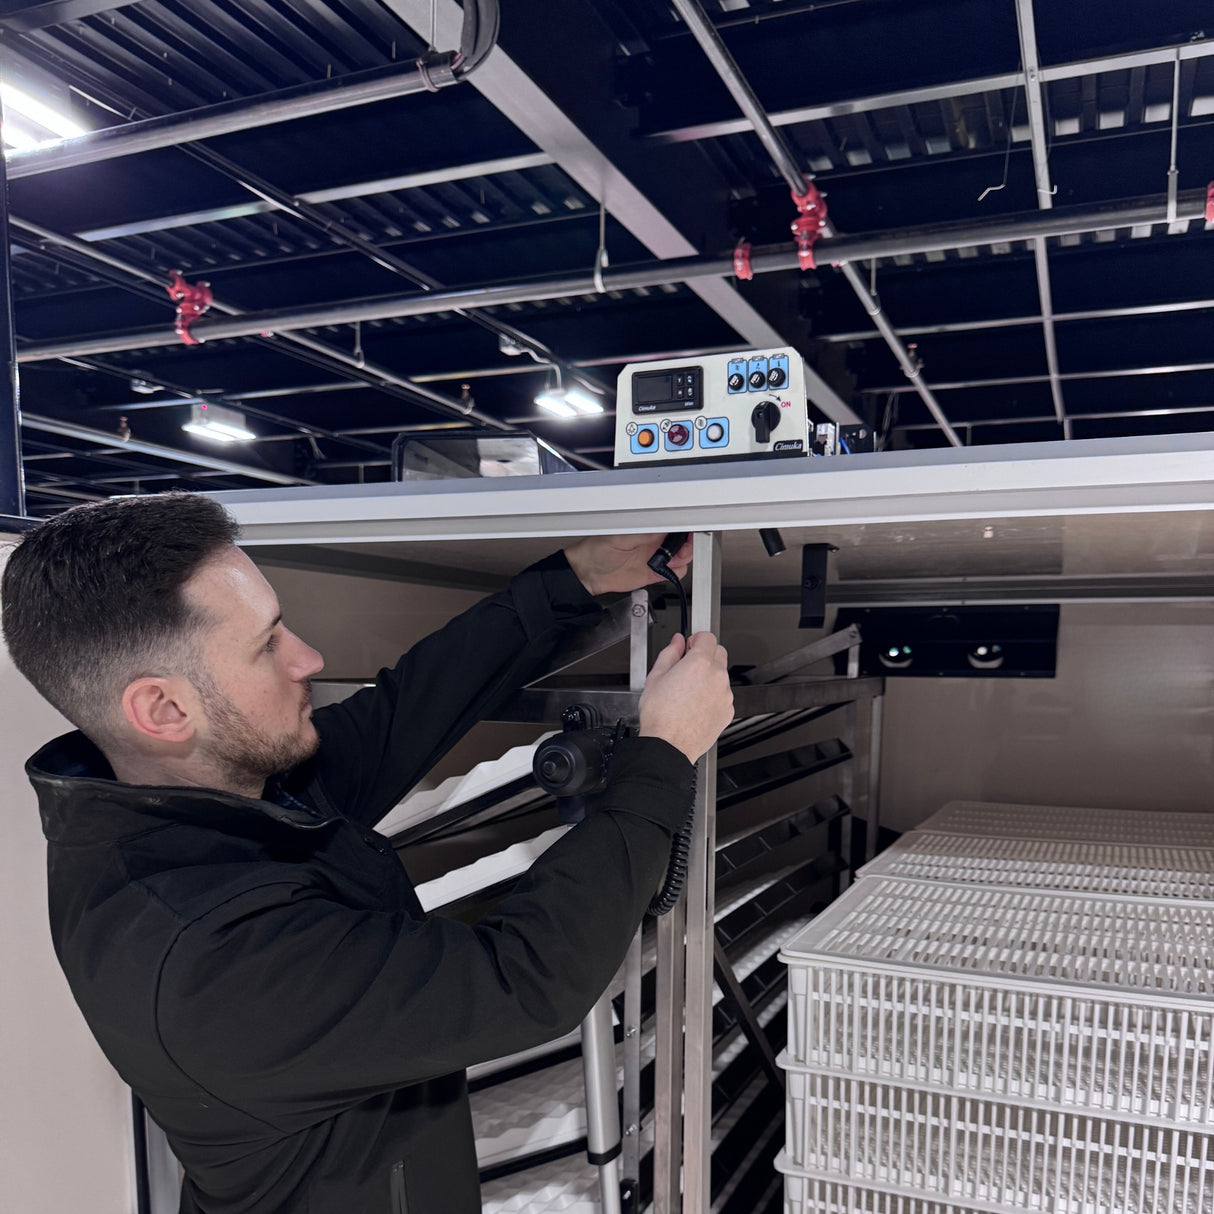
(1018, 322)
(51, 425)
(367, 373)
(1010, 380)
(839, 250)
(939, 92)
(1027, 34)
(705, 33)
(434, 70)
(1103, 415)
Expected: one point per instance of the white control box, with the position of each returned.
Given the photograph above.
(722, 406)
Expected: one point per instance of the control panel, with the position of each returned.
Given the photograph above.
(719, 406)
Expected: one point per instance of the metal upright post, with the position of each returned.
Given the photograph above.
(602, 1108)
(874, 777)
(638, 669)
(701, 901)
(12, 482)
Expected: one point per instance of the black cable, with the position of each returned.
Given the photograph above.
(659, 563)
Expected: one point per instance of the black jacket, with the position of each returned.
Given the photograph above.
(264, 976)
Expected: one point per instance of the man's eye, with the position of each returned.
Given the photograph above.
(272, 643)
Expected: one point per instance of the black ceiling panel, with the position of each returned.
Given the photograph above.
(908, 113)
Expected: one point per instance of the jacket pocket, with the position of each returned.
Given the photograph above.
(400, 1204)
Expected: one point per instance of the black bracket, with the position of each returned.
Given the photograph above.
(813, 584)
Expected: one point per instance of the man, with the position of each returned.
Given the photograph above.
(247, 950)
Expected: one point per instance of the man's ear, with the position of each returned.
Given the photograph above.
(160, 709)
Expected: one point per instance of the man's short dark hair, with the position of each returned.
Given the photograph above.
(92, 599)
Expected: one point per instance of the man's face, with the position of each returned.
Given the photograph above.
(254, 681)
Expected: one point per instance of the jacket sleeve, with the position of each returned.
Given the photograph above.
(293, 1007)
(378, 743)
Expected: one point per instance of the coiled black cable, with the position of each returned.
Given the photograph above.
(680, 845)
(663, 902)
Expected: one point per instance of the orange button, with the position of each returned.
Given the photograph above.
(646, 438)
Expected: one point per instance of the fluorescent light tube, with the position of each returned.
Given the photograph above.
(20, 102)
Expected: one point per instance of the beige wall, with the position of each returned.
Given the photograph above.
(1128, 723)
(64, 1118)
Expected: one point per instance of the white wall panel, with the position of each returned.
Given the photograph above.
(64, 1115)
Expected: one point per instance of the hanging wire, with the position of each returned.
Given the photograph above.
(600, 256)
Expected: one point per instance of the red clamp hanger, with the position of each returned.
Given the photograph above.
(741, 261)
(808, 225)
(191, 300)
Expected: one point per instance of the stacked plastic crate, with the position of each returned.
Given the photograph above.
(1012, 1009)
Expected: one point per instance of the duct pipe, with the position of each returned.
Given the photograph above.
(838, 251)
(705, 33)
(52, 425)
(427, 74)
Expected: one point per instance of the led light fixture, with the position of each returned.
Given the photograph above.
(554, 402)
(219, 423)
(573, 403)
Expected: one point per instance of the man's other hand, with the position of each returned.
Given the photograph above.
(604, 563)
(687, 698)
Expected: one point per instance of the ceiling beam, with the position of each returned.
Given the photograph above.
(939, 92)
(358, 189)
(52, 425)
(1027, 32)
(1016, 322)
(1006, 381)
(503, 83)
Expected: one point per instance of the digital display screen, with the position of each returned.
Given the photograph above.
(670, 391)
(652, 389)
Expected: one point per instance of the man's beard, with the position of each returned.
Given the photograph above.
(247, 754)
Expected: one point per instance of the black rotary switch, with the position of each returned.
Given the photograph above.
(776, 377)
(765, 417)
(737, 381)
(758, 379)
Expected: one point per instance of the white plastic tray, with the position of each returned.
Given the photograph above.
(819, 1195)
(1153, 828)
(994, 1155)
(1092, 1054)
(1152, 951)
(1059, 864)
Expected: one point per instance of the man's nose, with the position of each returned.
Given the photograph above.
(305, 661)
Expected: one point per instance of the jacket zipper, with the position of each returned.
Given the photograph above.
(399, 1204)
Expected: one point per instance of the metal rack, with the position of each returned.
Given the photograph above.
(1087, 519)
(773, 869)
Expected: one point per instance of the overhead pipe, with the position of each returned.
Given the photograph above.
(839, 251)
(52, 425)
(432, 71)
(705, 33)
(364, 371)
(367, 371)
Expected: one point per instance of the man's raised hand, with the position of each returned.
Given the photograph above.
(687, 698)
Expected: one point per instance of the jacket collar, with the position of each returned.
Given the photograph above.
(81, 801)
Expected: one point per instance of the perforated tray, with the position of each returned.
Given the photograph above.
(1138, 949)
(1154, 828)
(1092, 1054)
(1059, 864)
(992, 1155)
(811, 1195)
